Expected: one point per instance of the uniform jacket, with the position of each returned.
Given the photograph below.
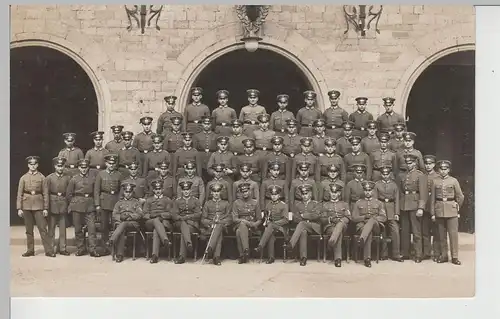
(360, 119)
(235, 144)
(295, 193)
(309, 212)
(172, 141)
(158, 207)
(143, 141)
(388, 194)
(127, 210)
(386, 121)
(353, 192)
(325, 161)
(263, 138)
(129, 155)
(278, 212)
(335, 116)
(31, 192)
(80, 194)
(151, 160)
(333, 212)
(223, 115)
(107, 189)
(278, 119)
(248, 209)
(264, 190)
(197, 189)
(343, 146)
(254, 189)
(96, 157)
(114, 146)
(227, 189)
(188, 209)
(250, 113)
(324, 189)
(56, 186)
(359, 158)
(72, 156)
(413, 190)
(370, 144)
(141, 189)
(450, 189)
(291, 144)
(430, 178)
(311, 159)
(306, 116)
(365, 209)
(164, 121)
(213, 208)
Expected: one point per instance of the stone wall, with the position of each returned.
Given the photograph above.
(127, 67)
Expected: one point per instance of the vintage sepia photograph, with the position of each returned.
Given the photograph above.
(242, 151)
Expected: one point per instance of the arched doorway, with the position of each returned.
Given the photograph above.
(265, 70)
(440, 109)
(50, 94)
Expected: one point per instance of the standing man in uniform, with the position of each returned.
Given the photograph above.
(186, 214)
(128, 154)
(330, 158)
(141, 188)
(344, 145)
(251, 158)
(387, 120)
(335, 116)
(96, 155)
(397, 142)
(332, 178)
(414, 195)
(278, 121)
(223, 115)
(304, 178)
(409, 141)
(55, 185)
(249, 113)
(127, 213)
(276, 155)
(386, 190)
(383, 157)
(144, 140)
(335, 216)
(357, 157)
(227, 187)
(273, 179)
(223, 156)
(368, 214)
(360, 117)
(291, 141)
(195, 111)
(117, 142)
(446, 199)
(263, 135)
(245, 171)
(32, 205)
(151, 159)
(307, 114)
(306, 156)
(80, 193)
(427, 225)
(353, 190)
(106, 193)
(197, 185)
(275, 221)
(185, 154)
(319, 137)
(215, 218)
(71, 153)
(164, 123)
(158, 215)
(236, 138)
(306, 213)
(206, 143)
(167, 178)
(246, 217)
(173, 139)
(370, 143)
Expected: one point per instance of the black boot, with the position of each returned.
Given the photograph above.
(368, 262)
(180, 260)
(29, 253)
(50, 254)
(119, 258)
(154, 259)
(338, 263)
(64, 253)
(303, 261)
(455, 261)
(270, 260)
(216, 261)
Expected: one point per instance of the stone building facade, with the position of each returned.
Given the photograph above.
(132, 72)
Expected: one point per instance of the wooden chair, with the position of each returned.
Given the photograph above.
(149, 243)
(130, 234)
(376, 239)
(195, 238)
(279, 237)
(346, 242)
(314, 237)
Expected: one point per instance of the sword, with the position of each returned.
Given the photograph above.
(214, 222)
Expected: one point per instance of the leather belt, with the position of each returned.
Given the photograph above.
(403, 169)
(362, 128)
(112, 192)
(236, 153)
(354, 200)
(223, 124)
(32, 193)
(445, 199)
(386, 200)
(309, 125)
(263, 148)
(86, 195)
(282, 130)
(124, 165)
(320, 154)
(411, 192)
(331, 126)
(195, 121)
(58, 194)
(250, 122)
(145, 151)
(70, 166)
(95, 166)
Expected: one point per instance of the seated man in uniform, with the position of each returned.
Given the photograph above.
(158, 218)
(306, 214)
(215, 218)
(186, 214)
(246, 218)
(335, 218)
(126, 216)
(276, 218)
(368, 214)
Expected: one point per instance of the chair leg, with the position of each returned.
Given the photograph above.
(113, 257)
(348, 249)
(134, 237)
(378, 248)
(324, 251)
(148, 256)
(284, 251)
(318, 250)
(196, 242)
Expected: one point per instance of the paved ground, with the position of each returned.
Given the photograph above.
(88, 277)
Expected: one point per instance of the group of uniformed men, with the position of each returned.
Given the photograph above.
(213, 173)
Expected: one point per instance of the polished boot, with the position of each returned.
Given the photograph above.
(303, 261)
(50, 254)
(28, 254)
(455, 261)
(338, 263)
(180, 260)
(216, 261)
(368, 262)
(154, 259)
(270, 260)
(119, 258)
(64, 253)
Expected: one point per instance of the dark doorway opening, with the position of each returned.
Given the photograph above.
(49, 94)
(265, 70)
(441, 112)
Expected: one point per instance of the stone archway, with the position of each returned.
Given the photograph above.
(214, 44)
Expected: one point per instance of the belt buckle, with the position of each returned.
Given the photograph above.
(333, 126)
(264, 148)
(59, 194)
(71, 166)
(85, 195)
(126, 165)
(98, 166)
(223, 124)
(146, 151)
(33, 192)
(207, 150)
(386, 200)
(196, 121)
(292, 155)
(407, 192)
(362, 128)
(282, 130)
(112, 192)
(235, 153)
(445, 199)
(252, 122)
(320, 154)
(310, 125)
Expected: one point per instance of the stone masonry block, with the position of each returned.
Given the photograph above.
(289, 8)
(205, 15)
(394, 19)
(370, 56)
(119, 106)
(133, 85)
(85, 15)
(418, 9)
(312, 16)
(134, 64)
(298, 17)
(410, 18)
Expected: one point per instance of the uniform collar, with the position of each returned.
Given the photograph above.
(98, 149)
(33, 173)
(321, 136)
(361, 112)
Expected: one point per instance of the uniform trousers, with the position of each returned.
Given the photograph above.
(242, 238)
(448, 225)
(120, 235)
(159, 229)
(367, 228)
(54, 220)
(393, 232)
(410, 223)
(268, 238)
(104, 218)
(336, 232)
(301, 231)
(215, 241)
(32, 217)
(431, 228)
(89, 219)
(186, 231)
